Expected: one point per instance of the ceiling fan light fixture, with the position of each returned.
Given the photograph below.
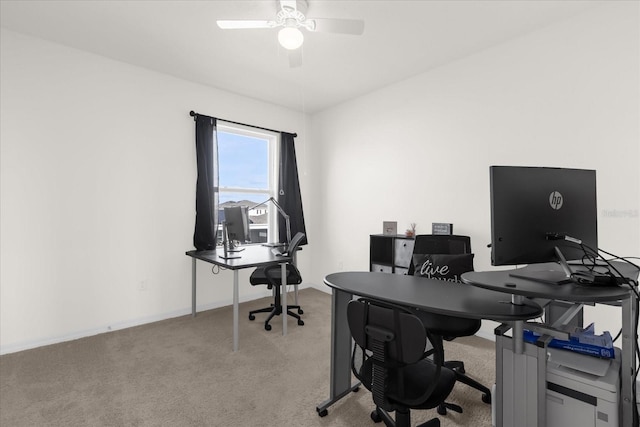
(290, 38)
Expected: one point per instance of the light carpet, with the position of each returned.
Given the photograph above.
(182, 372)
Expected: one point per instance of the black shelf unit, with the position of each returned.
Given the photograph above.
(390, 253)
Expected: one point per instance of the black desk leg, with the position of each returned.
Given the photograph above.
(341, 341)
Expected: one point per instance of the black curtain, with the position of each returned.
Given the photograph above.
(289, 188)
(204, 235)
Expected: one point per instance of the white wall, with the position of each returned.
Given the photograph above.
(98, 192)
(97, 167)
(420, 150)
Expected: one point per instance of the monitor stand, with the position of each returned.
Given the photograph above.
(553, 277)
(228, 253)
(234, 248)
(229, 248)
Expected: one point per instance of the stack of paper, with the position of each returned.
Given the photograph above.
(581, 340)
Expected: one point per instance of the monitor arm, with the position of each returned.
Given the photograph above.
(282, 212)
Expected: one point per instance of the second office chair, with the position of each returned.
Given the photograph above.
(450, 327)
(271, 276)
(390, 361)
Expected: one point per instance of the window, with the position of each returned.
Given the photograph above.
(247, 169)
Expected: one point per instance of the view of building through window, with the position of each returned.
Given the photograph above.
(246, 177)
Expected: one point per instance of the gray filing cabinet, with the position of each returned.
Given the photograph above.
(390, 254)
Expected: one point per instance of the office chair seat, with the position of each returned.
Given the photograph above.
(259, 277)
(449, 327)
(414, 378)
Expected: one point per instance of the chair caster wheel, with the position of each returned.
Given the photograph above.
(300, 311)
(323, 413)
(300, 322)
(252, 317)
(356, 389)
(267, 327)
(486, 398)
(376, 417)
(442, 410)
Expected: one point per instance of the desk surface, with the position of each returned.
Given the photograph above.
(435, 296)
(501, 281)
(252, 256)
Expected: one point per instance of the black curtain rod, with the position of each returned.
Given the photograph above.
(194, 114)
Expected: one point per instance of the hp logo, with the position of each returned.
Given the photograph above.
(555, 200)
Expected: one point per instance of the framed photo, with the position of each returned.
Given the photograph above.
(441, 228)
(390, 228)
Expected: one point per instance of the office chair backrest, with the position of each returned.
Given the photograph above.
(294, 243)
(394, 339)
(367, 317)
(442, 244)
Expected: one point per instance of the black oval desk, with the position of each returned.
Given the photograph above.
(435, 296)
(501, 281)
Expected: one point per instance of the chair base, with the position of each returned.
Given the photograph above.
(276, 310)
(458, 367)
(403, 419)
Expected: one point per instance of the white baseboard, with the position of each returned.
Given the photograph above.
(324, 288)
(486, 335)
(28, 345)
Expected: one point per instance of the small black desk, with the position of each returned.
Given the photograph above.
(520, 289)
(426, 294)
(252, 256)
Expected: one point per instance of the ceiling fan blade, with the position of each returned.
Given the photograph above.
(244, 24)
(295, 58)
(288, 5)
(343, 26)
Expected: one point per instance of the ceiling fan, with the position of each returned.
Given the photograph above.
(291, 16)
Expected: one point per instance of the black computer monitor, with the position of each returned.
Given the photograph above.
(236, 220)
(535, 210)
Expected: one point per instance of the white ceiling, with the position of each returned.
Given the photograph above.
(401, 39)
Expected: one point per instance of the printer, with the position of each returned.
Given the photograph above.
(582, 391)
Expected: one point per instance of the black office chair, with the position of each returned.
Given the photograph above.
(271, 276)
(389, 359)
(449, 327)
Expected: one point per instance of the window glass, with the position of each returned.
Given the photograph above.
(243, 162)
(246, 171)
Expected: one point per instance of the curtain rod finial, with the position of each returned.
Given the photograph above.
(192, 113)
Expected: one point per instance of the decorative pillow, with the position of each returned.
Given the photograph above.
(441, 266)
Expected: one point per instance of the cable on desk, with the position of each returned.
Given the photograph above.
(617, 278)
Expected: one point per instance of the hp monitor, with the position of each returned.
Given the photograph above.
(542, 214)
(237, 223)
